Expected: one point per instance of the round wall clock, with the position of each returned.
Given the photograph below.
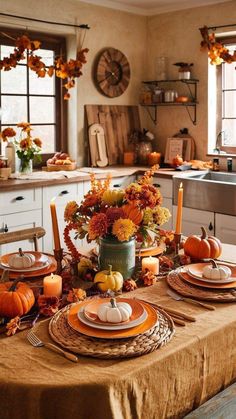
(112, 72)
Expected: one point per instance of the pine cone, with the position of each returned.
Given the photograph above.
(129, 285)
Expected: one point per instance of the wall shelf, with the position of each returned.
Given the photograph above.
(191, 85)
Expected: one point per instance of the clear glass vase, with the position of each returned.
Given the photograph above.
(26, 166)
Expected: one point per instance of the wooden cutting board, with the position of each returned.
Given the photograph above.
(118, 123)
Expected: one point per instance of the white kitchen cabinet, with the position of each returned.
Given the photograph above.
(193, 219)
(20, 221)
(225, 228)
(62, 194)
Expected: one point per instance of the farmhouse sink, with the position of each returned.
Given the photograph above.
(207, 191)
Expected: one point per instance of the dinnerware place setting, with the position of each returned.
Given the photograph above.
(111, 327)
(205, 281)
(27, 263)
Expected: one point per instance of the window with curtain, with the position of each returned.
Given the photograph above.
(26, 97)
(222, 103)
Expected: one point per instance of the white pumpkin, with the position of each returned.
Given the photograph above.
(21, 260)
(217, 272)
(114, 312)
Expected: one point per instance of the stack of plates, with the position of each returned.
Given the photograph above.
(83, 318)
(194, 275)
(44, 264)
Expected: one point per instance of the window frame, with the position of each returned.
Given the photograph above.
(56, 43)
(225, 40)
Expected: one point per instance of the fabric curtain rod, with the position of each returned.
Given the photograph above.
(82, 26)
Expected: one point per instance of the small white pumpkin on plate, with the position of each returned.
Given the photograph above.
(21, 260)
(114, 312)
(217, 272)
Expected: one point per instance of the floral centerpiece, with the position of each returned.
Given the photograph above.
(120, 216)
(27, 147)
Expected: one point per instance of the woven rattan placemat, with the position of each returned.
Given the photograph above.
(64, 335)
(186, 289)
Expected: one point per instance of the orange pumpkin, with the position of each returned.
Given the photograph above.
(16, 299)
(132, 212)
(203, 247)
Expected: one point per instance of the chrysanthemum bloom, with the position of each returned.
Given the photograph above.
(97, 226)
(161, 215)
(147, 216)
(132, 192)
(7, 133)
(25, 126)
(150, 196)
(91, 199)
(114, 214)
(70, 211)
(37, 142)
(123, 229)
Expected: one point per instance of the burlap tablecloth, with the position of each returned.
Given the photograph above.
(198, 362)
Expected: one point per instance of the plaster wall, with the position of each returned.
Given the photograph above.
(176, 36)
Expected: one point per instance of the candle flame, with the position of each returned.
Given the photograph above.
(181, 185)
(53, 199)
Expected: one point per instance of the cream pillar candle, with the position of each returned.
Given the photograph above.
(52, 285)
(151, 263)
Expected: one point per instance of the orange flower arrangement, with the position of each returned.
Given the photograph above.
(133, 212)
(217, 52)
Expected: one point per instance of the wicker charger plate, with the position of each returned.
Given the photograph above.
(186, 289)
(64, 335)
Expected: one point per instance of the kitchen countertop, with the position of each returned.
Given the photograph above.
(83, 174)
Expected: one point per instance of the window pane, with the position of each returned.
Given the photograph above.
(6, 50)
(47, 134)
(42, 110)
(229, 127)
(14, 81)
(14, 109)
(39, 85)
(230, 104)
(229, 76)
(46, 55)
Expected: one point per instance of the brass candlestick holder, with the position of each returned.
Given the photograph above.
(177, 239)
(58, 254)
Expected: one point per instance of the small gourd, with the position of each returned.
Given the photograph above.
(215, 271)
(114, 312)
(109, 280)
(21, 260)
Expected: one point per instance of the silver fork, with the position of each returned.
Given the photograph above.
(35, 341)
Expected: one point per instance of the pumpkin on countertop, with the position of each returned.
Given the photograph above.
(16, 299)
(21, 260)
(202, 247)
(109, 280)
(114, 312)
(215, 271)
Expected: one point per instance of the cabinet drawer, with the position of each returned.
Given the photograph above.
(62, 193)
(20, 200)
(122, 181)
(165, 186)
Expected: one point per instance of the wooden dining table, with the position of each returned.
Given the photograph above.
(198, 362)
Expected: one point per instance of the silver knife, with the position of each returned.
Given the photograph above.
(178, 297)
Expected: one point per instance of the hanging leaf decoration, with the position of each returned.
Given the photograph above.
(25, 49)
(217, 52)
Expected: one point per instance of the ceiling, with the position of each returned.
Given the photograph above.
(151, 7)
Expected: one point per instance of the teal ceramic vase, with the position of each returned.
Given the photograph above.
(121, 255)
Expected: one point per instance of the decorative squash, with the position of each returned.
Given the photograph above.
(203, 247)
(132, 212)
(215, 271)
(109, 280)
(16, 299)
(113, 196)
(21, 260)
(114, 312)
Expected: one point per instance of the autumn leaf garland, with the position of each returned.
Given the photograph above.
(25, 49)
(217, 52)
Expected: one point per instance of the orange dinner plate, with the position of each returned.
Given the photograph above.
(77, 325)
(195, 270)
(49, 268)
(199, 283)
(150, 251)
(91, 309)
